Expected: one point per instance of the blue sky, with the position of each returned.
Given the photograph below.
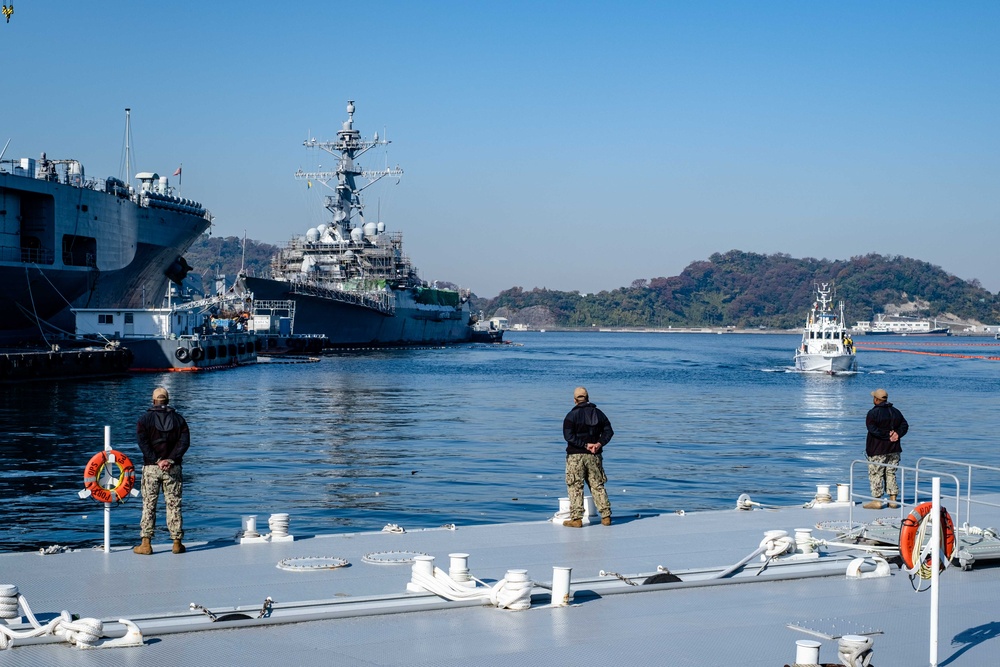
(568, 145)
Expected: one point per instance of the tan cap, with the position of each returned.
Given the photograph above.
(880, 394)
(160, 395)
(580, 392)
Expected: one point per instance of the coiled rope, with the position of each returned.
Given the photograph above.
(855, 650)
(514, 595)
(82, 633)
(775, 543)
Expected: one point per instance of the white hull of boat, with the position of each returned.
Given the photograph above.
(825, 363)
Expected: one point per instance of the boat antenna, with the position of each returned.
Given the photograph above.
(126, 168)
(243, 260)
(4, 149)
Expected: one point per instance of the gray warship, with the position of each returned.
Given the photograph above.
(350, 279)
(67, 241)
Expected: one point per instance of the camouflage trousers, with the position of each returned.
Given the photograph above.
(172, 483)
(882, 474)
(587, 468)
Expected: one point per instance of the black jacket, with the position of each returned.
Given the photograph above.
(583, 425)
(880, 420)
(162, 434)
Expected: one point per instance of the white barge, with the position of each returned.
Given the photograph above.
(356, 599)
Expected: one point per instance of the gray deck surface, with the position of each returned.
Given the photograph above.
(742, 624)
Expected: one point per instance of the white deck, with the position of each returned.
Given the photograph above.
(609, 623)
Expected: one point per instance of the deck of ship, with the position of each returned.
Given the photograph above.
(366, 616)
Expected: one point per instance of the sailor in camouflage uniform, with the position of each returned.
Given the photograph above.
(586, 431)
(883, 447)
(163, 438)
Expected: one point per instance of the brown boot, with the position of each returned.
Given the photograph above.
(573, 523)
(892, 502)
(178, 547)
(143, 549)
(876, 504)
(605, 521)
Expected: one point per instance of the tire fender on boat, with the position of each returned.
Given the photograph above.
(197, 353)
(910, 533)
(182, 354)
(122, 485)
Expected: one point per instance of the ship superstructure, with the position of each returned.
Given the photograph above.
(350, 278)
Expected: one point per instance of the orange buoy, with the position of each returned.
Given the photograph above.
(100, 469)
(911, 533)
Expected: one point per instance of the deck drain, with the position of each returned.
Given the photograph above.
(391, 557)
(310, 563)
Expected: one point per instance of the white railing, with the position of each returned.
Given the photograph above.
(901, 480)
(968, 485)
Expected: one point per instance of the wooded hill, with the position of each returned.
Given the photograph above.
(738, 289)
(749, 290)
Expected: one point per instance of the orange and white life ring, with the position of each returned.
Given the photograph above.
(911, 532)
(100, 469)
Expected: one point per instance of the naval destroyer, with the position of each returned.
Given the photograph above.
(68, 241)
(350, 279)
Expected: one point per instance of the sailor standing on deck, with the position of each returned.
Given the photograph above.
(163, 437)
(586, 431)
(886, 427)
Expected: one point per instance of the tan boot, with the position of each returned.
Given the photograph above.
(606, 521)
(178, 547)
(573, 523)
(876, 504)
(892, 502)
(143, 549)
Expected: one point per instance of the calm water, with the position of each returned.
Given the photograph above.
(473, 434)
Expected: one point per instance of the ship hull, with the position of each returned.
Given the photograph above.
(63, 246)
(825, 363)
(943, 331)
(211, 352)
(356, 325)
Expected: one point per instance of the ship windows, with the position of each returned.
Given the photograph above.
(79, 250)
(105, 318)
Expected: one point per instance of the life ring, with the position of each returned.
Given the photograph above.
(911, 532)
(118, 488)
(197, 353)
(182, 355)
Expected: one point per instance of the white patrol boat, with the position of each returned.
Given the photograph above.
(826, 344)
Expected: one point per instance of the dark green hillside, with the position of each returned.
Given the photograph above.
(212, 255)
(748, 290)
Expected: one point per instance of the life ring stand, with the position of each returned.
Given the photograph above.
(182, 354)
(122, 485)
(910, 532)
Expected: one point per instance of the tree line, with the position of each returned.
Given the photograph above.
(733, 289)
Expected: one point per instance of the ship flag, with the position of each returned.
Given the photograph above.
(178, 172)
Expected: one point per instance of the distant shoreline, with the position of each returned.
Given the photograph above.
(726, 330)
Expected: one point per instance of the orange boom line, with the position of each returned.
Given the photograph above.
(938, 354)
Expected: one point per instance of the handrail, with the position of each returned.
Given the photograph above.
(961, 464)
(902, 488)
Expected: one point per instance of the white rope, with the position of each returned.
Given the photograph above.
(775, 543)
(515, 595)
(855, 652)
(82, 633)
(976, 530)
(393, 528)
